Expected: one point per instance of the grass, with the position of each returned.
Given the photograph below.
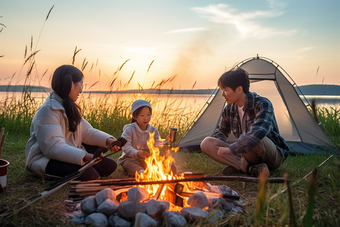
(318, 201)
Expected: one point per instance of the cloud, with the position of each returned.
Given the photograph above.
(140, 49)
(188, 30)
(244, 22)
(304, 49)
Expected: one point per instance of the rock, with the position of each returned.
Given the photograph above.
(105, 194)
(108, 207)
(222, 189)
(225, 206)
(78, 218)
(77, 209)
(88, 205)
(173, 219)
(193, 214)
(159, 220)
(137, 194)
(144, 220)
(214, 215)
(156, 207)
(116, 221)
(198, 199)
(96, 220)
(129, 209)
(220, 204)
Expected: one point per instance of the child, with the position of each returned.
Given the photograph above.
(137, 134)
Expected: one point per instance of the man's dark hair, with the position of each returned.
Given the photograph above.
(62, 80)
(234, 78)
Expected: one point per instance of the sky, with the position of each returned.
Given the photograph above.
(180, 44)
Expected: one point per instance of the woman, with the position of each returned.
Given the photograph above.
(61, 141)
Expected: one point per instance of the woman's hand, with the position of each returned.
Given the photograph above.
(115, 149)
(142, 154)
(224, 150)
(88, 157)
(109, 141)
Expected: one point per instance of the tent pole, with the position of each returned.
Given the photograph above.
(285, 188)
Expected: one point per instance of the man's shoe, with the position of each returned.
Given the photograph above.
(245, 165)
(230, 170)
(255, 170)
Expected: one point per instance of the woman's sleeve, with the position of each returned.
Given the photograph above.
(92, 136)
(51, 138)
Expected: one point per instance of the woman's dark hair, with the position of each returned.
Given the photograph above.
(234, 78)
(62, 80)
(137, 111)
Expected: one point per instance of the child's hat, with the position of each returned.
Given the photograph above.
(139, 103)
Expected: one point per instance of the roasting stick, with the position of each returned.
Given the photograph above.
(49, 192)
(208, 178)
(96, 158)
(61, 184)
(75, 175)
(36, 198)
(303, 178)
(97, 182)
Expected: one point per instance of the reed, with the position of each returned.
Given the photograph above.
(331, 119)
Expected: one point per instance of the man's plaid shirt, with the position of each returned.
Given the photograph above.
(260, 122)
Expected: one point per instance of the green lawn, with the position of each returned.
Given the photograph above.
(22, 184)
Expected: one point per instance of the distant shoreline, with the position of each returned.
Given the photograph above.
(331, 90)
(21, 88)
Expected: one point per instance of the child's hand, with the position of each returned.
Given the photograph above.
(167, 139)
(224, 150)
(142, 154)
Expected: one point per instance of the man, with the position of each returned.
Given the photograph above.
(251, 119)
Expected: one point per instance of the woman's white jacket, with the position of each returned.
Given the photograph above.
(50, 137)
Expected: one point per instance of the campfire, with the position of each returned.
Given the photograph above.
(158, 186)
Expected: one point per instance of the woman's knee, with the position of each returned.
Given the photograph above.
(89, 174)
(106, 166)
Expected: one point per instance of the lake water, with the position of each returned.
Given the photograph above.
(188, 102)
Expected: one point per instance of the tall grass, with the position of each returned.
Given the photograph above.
(16, 115)
(330, 118)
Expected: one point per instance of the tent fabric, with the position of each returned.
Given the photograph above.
(296, 124)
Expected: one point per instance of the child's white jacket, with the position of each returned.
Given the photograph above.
(136, 140)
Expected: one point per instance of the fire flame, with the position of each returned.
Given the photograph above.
(158, 169)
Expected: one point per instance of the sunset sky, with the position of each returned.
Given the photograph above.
(193, 39)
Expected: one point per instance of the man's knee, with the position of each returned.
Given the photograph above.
(207, 143)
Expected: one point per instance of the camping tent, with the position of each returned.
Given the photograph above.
(268, 79)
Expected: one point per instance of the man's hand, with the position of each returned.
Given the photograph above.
(224, 150)
(142, 154)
